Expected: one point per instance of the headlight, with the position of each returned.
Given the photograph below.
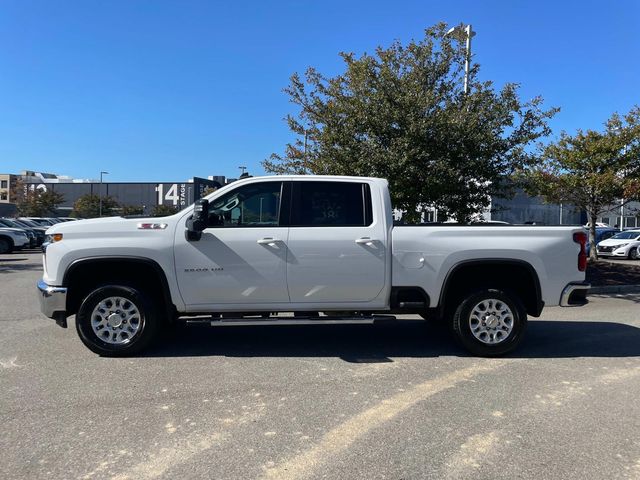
(622, 245)
(56, 237)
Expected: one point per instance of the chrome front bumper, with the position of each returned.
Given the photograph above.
(575, 294)
(53, 301)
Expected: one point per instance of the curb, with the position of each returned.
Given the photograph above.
(608, 289)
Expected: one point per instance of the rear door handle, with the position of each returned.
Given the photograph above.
(364, 241)
(268, 241)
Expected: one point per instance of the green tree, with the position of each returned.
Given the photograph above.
(35, 202)
(402, 114)
(164, 210)
(591, 170)
(131, 210)
(88, 206)
(207, 191)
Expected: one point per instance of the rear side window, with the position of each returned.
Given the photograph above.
(331, 204)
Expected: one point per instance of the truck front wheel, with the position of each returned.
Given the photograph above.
(116, 320)
(489, 323)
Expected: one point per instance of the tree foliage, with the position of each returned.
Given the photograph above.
(35, 202)
(88, 206)
(164, 210)
(591, 170)
(401, 114)
(131, 210)
(207, 191)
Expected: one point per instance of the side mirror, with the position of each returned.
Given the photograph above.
(198, 221)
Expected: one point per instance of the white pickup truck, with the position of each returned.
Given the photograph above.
(322, 247)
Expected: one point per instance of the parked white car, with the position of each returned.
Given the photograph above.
(624, 244)
(598, 225)
(12, 239)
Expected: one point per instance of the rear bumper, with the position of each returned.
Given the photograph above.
(53, 302)
(575, 294)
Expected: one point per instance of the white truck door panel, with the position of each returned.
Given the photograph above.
(241, 258)
(336, 251)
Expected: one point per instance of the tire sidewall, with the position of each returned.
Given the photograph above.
(633, 253)
(6, 248)
(462, 329)
(148, 319)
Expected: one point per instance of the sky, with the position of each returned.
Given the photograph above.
(164, 90)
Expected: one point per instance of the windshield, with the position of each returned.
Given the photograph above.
(626, 236)
(9, 223)
(42, 222)
(27, 223)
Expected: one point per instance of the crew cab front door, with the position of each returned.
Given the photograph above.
(241, 255)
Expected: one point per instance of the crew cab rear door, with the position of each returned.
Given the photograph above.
(336, 249)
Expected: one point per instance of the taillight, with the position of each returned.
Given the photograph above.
(581, 238)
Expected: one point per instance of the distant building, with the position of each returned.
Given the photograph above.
(7, 184)
(523, 208)
(145, 195)
(32, 177)
(628, 215)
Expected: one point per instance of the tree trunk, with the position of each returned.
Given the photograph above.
(593, 254)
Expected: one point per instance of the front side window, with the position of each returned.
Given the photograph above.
(253, 205)
(337, 204)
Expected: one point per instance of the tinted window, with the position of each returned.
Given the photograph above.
(626, 236)
(253, 205)
(337, 204)
(606, 235)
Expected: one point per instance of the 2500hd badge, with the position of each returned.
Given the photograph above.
(212, 269)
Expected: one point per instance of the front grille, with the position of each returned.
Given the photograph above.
(605, 249)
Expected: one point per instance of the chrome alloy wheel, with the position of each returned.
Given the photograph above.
(116, 320)
(491, 321)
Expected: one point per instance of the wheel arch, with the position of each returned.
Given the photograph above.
(8, 239)
(466, 276)
(91, 272)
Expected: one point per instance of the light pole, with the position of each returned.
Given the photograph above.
(469, 33)
(624, 152)
(100, 192)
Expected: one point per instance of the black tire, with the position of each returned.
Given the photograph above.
(633, 254)
(512, 311)
(148, 321)
(5, 246)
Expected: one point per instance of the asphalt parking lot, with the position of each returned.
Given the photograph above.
(365, 401)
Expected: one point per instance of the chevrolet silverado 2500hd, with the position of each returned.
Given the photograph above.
(323, 247)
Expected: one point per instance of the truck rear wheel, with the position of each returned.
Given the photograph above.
(489, 323)
(116, 320)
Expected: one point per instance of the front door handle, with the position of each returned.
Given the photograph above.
(268, 241)
(364, 241)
